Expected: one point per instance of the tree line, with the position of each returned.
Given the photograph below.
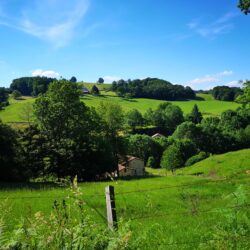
(225, 93)
(152, 88)
(67, 138)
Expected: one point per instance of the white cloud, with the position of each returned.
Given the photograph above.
(205, 79)
(110, 79)
(233, 84)
(225, 73)
(220, 26)
(211, 80)
(51, 20)
(47, 73)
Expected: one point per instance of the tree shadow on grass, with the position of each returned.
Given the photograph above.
(5, 186)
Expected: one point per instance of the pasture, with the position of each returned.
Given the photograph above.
(178, 211)
(207, 105)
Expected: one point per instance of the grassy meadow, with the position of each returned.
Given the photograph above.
(205, 102)
(168, 210)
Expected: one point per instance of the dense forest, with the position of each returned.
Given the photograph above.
(69, 138)
(31, 86)
(152, 88)
(225, 93)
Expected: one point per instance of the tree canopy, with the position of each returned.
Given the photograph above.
(225, 93)
(195, 116)
(73, 79)
(152, 88)
(31, 85)
(244, 5)
(100, 80)
(244, 98)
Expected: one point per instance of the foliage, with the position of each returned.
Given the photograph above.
(31, 85)
(3, 97)
(9, 169)
(60, 230)
(234, 232)
(73, 79)
(152, 88)
(190, 131)
(144, 146)
(100, 80)
(196, 158)
(16, 94)
(225, 93)
(244, 5)
(72, 132)
(245, 97)
(166, 116)
(112, 119)
(195, 115)
(152, 163)
(176, 154)
(95, 90)
(134, 119)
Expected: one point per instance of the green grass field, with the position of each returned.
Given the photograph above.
(168, 209)
(208, 105)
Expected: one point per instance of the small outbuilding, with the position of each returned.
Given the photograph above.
(132, 166)
(85, 91)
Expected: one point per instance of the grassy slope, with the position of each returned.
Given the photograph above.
(228, 164)
(175, 205)
(208, 106)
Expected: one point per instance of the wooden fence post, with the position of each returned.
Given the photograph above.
(110, 204)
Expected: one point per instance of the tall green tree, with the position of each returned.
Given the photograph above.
(95, 90)
(176, 154)
(195, 115)
(113, 123)
(73, 79)
(71, 129)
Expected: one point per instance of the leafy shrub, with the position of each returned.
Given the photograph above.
(196, 158)
(152, 163)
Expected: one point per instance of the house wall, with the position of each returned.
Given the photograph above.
(136, 167)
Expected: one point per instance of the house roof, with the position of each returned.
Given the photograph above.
(121, 167)
(157, 135)
(128, 159)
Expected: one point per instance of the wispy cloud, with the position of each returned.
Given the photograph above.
(225, 73)
(220, 26)
(210, 80)
(205, 79)
(54, 21)
(234, 83)
(110, 79)
(47, 73)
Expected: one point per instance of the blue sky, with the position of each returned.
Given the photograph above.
(197, 43)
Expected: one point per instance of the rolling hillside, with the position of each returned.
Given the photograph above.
(206, 104)
(166, 210)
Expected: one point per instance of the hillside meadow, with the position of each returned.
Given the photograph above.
(163, 211)
(207, 105)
